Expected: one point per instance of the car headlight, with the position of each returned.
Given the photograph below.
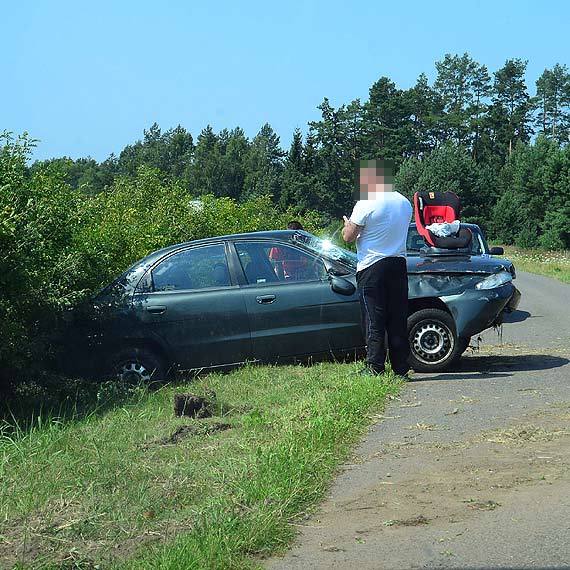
(495, 280)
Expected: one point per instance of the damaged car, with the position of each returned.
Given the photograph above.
(275, 296)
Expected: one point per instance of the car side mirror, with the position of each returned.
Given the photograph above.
(497, 251)
(337, 272)
(341, 285)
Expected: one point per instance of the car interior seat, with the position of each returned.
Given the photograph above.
(415, 241)
(221, 274)
(259, 274)
(439, 207)
(175, 278)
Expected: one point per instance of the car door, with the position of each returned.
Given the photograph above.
(291, 307)
(190, 301)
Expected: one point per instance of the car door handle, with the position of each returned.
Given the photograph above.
(265, 299)
(156, 309)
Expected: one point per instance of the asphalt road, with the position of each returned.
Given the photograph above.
(467, 469)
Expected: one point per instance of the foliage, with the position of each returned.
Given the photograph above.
(451, 168)
(534, 207)
(510, 113)
(555, 264)
(59, 245)
(40, 271)
(553, 102)
(462, 84)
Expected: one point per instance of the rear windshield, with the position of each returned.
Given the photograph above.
(415, 241)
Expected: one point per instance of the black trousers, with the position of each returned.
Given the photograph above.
(383, 293)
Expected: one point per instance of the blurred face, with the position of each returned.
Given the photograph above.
(375, 178)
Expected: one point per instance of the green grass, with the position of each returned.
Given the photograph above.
(554, 264)
(105, 490)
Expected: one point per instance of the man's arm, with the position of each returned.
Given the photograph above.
(350, 231)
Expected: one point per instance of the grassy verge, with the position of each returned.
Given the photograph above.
(120, 489)
(554, 264)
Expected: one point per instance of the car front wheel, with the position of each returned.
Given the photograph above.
(464, 343)
(433, 341)
(138, 365)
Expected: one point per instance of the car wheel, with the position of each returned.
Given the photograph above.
(138, 365)
(433, 341)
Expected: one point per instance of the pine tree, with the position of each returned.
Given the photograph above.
(510, 113)
(553, 100)
(264, 165)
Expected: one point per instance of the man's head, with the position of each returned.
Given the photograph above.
(374, 177)
(294, 225)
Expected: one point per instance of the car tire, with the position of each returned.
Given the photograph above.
(136, 365)
(463, 343)
(434, 344)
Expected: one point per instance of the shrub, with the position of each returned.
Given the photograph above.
(58, 245)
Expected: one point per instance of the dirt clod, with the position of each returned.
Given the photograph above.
(414, 521)
(192, 405)
(484, 506)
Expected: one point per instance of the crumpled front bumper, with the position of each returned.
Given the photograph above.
(514, 301)
(475, 310)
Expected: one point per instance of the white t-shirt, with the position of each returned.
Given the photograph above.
(385, 222)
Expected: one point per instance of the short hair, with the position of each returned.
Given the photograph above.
(384, 168)
(294, 225)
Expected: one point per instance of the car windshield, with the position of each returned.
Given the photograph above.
(325, 248)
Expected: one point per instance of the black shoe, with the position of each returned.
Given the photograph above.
(408, 375)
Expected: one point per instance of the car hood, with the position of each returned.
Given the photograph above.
(456, 264)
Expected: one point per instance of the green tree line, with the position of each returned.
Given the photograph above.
(471, 131)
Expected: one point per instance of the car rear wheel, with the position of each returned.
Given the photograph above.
(433, 341)
(138, 366)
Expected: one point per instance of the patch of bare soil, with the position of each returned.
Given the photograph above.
(462, 479)
(414, 521)
(195, 429)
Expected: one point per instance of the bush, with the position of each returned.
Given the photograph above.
(59, 245)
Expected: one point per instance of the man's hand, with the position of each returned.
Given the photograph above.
(350, 231)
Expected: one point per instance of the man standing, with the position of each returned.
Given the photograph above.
(379, 224)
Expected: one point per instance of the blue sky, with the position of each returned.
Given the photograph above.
(87, 77)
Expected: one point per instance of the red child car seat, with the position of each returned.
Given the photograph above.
(438, 207)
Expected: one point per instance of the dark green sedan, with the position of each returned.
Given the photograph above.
(275, 296)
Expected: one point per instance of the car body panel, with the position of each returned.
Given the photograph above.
(304, 318)
(474, 311)
(202, 328)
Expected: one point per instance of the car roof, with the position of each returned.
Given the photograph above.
(284, 235)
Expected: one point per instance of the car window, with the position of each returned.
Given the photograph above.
(196, 268)
(415, 241)
(273, 262)
(476, 245)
